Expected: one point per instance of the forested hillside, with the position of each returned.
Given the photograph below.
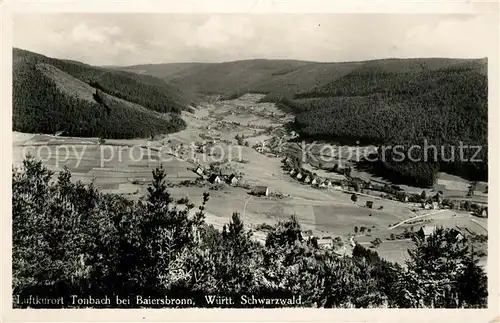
(444, 107)
(71, 239)
(233, 78)
(47, 97)
(276, 77)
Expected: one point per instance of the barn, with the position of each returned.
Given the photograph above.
(215, 179)
(232, 180)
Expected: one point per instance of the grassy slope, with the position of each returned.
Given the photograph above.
(52, 95)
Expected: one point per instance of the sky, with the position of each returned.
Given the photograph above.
(128, 39)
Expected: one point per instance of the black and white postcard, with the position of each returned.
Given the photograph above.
(250, 160)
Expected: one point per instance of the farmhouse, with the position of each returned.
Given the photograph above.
(232, 180)
(323, 184)
(457, 234)
(426, 231)
(199, 170)
(261, 190)
(307, 180)
(215, 179)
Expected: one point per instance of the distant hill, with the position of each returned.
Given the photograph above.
(224, 78)
(51, 95)
(276, 77)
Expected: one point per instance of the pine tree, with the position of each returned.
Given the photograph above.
(158, 197)
(472, 283)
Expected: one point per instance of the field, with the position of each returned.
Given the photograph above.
(125, 166)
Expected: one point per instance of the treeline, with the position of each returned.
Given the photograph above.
(40, 107)
(446, 108)
(71, 239)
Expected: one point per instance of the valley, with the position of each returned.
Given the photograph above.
(249, 138)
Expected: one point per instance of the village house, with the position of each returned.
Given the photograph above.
(232, 180)
(321, 182)
(484, 212)
(261, 190)
(307, 179)
(292, 172)
(199, 170)
(426, 231)
(215, 179)
(460, 236)
(314, 181)
(329, 184)
(299, 176)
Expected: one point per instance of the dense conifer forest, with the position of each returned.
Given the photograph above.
(445, 108)
(71, 239)
(40, 106)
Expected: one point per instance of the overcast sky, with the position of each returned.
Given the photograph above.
(127, 39)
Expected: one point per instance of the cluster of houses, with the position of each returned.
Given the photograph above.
(427, 230)
(343, 180)
(317, 181)
(215, 178)
(340, 179)
(231, 179)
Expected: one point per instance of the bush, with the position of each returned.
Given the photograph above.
(70, 239)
